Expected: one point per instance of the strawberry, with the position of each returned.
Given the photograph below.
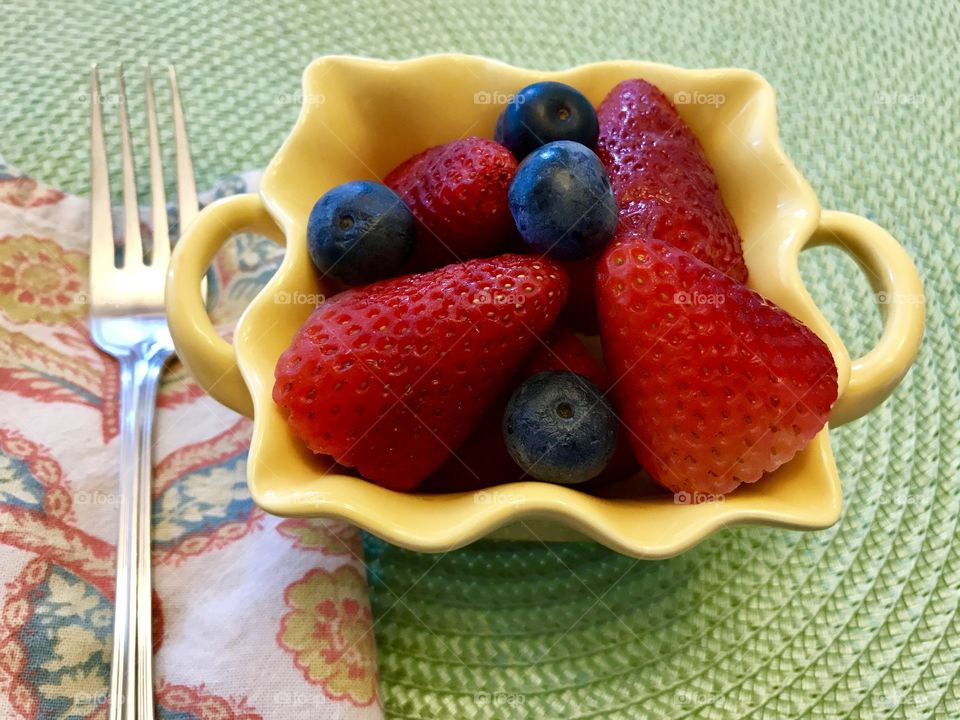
(580, 312)
(717, 385)
(391, 377)
(664, 186)
(483, 459)
(458, 195)
(565, 351)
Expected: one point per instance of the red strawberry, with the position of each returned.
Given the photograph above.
(580, 312)
(565, 351)
(480, 462)
(483, 459)
(665, 187)
(389, 378)
(717, 385)
(458, 194)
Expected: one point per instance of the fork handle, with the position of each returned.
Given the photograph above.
(131, 681)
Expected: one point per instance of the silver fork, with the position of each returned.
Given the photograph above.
(128, 322)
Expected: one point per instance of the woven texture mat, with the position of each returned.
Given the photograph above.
(858, 621)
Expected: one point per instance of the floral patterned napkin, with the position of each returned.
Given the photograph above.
(256, 617)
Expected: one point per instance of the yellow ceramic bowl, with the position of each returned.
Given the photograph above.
(359, 119)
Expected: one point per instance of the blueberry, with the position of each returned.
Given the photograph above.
(498, 130)
(558, 427)
(544, 112)
(359, 232)
(562, 201)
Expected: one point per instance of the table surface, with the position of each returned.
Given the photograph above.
(856, 621)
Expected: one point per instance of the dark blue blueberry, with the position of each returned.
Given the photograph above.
(498, 130)
(562, 201)
(558, 427)
(544, 112)
(359, 232)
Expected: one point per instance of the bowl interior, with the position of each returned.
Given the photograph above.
(362, 117)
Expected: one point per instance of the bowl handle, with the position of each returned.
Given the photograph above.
(895, 280)
(210, 359)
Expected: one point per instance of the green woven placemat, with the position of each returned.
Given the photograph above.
(858, 621)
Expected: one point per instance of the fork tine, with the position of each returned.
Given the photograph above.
(161, 232)
(186, 186)
(132, 242)
(101, 223)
